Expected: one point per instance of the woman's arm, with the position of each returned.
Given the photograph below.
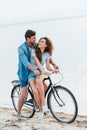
(38, 64)
(48, 65)
(54, 65)
(54, 70)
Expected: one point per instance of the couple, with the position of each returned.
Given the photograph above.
(32, 57)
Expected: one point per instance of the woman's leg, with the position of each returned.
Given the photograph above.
(40, 86)
(36, 92)
(45, 87)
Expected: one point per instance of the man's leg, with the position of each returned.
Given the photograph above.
(24, 91)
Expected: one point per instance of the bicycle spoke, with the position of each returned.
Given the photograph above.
(28, 107)
(63, 105)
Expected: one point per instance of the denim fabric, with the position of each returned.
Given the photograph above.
(23, 83)
(31, 76)
(24, 55)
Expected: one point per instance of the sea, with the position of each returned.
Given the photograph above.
(69, 37)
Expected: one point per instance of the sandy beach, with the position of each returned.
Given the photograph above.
(8, 122)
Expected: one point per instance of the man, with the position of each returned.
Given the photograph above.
(24, 54)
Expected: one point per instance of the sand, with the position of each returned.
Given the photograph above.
(8, 122)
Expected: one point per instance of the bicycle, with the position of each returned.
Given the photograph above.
(60, 101)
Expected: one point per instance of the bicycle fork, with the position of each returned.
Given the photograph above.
(57, 97)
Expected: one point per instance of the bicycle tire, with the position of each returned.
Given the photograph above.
(62, 104)
(27, 109)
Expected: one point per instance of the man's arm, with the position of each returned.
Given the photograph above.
(30, 67)
(26, 63)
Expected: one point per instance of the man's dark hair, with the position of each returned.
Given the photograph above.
(29, 33)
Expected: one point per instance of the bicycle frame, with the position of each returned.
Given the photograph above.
(51, 84)
(55, 101)
(51, 87)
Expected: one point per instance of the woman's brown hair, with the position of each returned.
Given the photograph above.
(48, 49)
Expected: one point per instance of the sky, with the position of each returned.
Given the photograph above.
(14, 11)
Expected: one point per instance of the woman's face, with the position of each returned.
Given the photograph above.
(42, 43)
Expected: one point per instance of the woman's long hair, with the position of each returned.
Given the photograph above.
(48, 49)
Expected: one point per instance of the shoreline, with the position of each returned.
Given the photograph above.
(7, 122)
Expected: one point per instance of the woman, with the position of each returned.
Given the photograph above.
(40, 55)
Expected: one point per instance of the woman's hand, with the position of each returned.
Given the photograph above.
(55, 66)
(45, 73)
(55, 71)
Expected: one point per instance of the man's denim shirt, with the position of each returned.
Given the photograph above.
(24, 55)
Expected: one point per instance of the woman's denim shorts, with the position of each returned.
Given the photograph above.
(31, 76)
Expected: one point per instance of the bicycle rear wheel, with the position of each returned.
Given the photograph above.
(28, 106)
(62, 104)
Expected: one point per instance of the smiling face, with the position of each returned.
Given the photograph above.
(42, 43)
(45, 45)
(31, 40)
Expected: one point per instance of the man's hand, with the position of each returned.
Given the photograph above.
(37, 72)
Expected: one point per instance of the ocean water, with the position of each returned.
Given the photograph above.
(70, 53)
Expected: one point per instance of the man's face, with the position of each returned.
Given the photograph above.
(31, 40)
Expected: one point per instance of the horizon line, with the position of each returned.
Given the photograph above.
(43, 20)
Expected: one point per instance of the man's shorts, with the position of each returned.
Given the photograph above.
(23, 83)
(31, 76)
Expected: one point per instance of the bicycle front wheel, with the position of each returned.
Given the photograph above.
(28, 107)
(62, 104)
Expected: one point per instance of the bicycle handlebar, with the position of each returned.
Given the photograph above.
(17, 82)
(50, 73)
